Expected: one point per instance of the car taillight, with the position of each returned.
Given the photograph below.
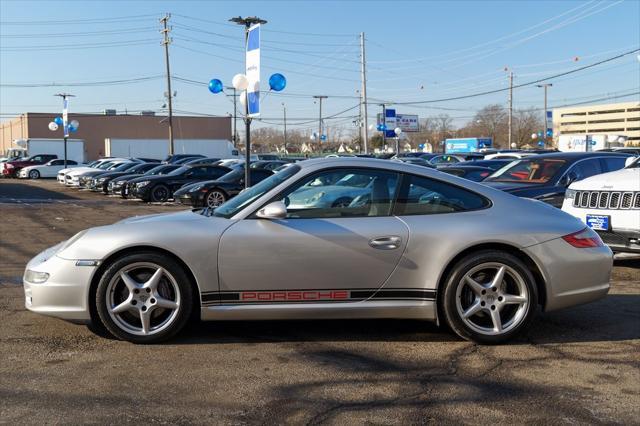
(584, 239)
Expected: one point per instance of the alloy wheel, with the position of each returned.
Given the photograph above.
(492, 298)
(34, 174)
(143, 299)
(215, 199)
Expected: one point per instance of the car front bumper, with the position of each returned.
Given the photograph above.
(65, 294)
(572, 276)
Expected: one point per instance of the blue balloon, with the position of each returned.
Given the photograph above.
(58, 121)
(72, 128)
(215, 86)
(277, 82)
(541, 144)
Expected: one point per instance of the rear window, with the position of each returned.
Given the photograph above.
(422, 196)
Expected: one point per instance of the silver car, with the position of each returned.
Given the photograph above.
(423, 245)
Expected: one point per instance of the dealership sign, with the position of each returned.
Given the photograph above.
(406, 122)
(253, 70)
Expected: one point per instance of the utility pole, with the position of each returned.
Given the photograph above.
(510, 108)
(166, 40)
(320, 98)
(247, 23)
(235, 116)
(65, 121)
(545, 121)
(284, 111)
(363, 72)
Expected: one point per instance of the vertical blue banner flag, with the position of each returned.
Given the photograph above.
(253, 70)
(65, 117)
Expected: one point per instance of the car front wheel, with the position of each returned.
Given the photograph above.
(490, 297)
(34, 174)
(144, 298)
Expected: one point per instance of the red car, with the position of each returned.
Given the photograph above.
(11, 168)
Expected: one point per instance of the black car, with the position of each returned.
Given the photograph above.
(418, 161)
(267, 164)
(491, 164)
(118, 185)
(625, 150)
(473, 173)
(545, 177)
(215, 192)
(161, 188)
(171, 159)
(268, 157)
(458, 157)
(101, 181)
(198, 160)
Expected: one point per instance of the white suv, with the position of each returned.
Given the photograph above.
(610, 204)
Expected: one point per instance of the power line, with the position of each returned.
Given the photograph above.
(81, 34)
(98, 45)
(81, 21)
(85, 84)
(522, 84)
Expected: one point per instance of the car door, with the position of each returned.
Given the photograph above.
(52, 169)
(322, 251)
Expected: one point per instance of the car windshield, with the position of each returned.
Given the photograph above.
(124, 166)
(535, 170)
(105, 165)
(246, 197)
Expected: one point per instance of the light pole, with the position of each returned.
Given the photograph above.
(66, 126)
(240, 82)
(398, 132)
(235, 116)
(545, 121)
(320, 98)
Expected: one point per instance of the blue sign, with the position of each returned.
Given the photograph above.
(467, 144)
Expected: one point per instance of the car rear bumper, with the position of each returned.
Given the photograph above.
(622, 240)
(572, 276)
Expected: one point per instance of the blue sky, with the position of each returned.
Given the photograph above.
(415, 51)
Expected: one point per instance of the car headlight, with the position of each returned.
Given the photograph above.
(101, 180)
(35, 277)
(196, 188)
(570, 194)
(141, 184)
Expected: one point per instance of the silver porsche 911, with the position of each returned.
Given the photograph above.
(418, 244)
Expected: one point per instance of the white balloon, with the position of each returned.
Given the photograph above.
(53, 126)
(372, 127)
(397, 131)
(513, 145)
(243, 99)
(534, 135)
(240, 82)
(75, 123)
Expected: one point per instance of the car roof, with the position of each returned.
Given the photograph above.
(574, 156)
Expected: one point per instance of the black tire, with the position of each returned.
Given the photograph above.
(181, 286)
(34, 174)
(342, 202)
(159, 193)
(215, 193)
(450, 303)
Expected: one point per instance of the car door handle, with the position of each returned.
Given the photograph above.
(385, 243)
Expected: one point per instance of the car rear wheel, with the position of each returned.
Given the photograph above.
(160, 193)
(34, 174)
(490, 297)
(144, 298)
(215, 198)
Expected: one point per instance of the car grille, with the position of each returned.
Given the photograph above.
(609, 200)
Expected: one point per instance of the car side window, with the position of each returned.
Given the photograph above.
(259, 175)
(614, 163)
(421, 196)
(339, 193)
(214, 172)
(586, 168)
(59, 162)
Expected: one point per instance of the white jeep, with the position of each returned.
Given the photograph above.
(610, 204)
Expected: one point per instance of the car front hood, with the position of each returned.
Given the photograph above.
(620, 180)
(148, 178)
(188, 231)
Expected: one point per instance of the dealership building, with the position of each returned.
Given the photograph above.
(620, 119)
(97, 129)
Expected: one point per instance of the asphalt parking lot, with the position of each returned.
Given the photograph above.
(581, 365)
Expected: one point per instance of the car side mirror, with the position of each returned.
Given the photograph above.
(274, 211)
(629, 161)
